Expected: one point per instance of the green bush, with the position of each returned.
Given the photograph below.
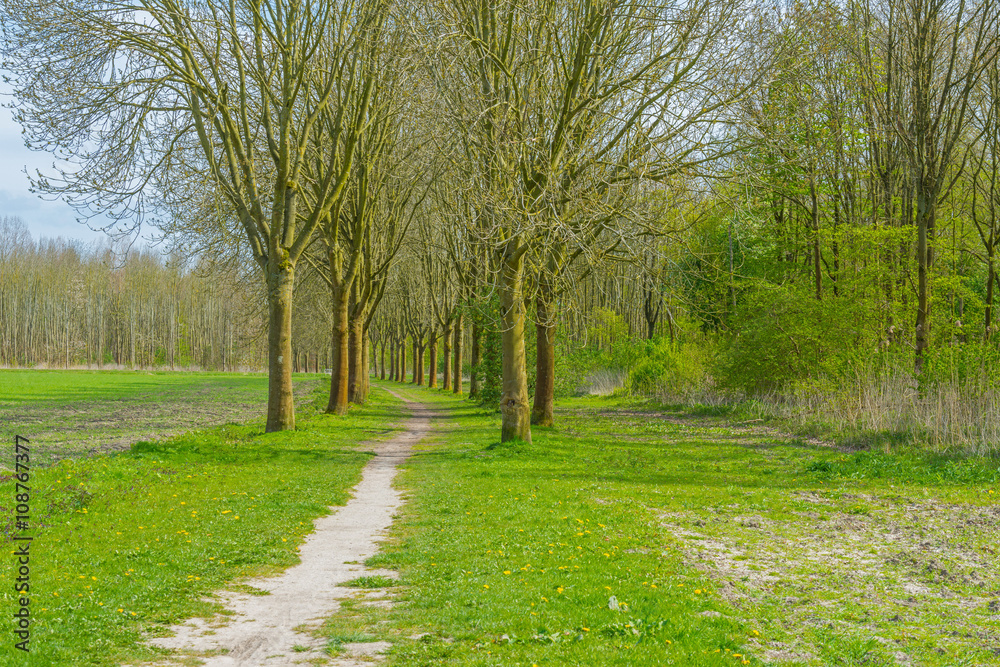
(664, 365)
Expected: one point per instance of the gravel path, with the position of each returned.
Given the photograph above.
(273, 629)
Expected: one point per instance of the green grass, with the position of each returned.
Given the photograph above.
(626, 535)
(373, 581)
(43, 389)
(127, 544)
(78, 413)
(709, 536)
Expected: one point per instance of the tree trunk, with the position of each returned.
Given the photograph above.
(990, 281)
(925, 228)
(814, 223)
(516, 418)
(456, 380)
(339, 376)
(545, 359)
(420, 365)
(366, 354)
(356, 392)
(280, 400)
(416, 357)
(474, 375)
(402, 361)
(432, 381)
(381, 369)
(651, 311)
(447, 357)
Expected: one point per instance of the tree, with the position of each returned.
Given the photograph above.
(947, 46)
(558, 105)
(173, 96)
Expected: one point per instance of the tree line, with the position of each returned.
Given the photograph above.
(68, 304)
(806, 185)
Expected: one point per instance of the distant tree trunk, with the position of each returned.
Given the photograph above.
(280, 403)
(402, 361)
(432, 362)
(545, 358)
(814, 224)
(366, 354)
(474, 375)
(990, 281)
(456, 380)
(382, 358)
(925, 260)
(651, 310)
(447, 356)
(416, 357)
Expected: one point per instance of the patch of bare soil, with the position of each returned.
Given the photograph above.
(278, 629)
(115, 425)
(915, 576)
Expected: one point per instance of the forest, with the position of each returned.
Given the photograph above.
(792, 208)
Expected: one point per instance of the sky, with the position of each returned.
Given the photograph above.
(44, 218)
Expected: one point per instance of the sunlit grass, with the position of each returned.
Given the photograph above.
(582, 547)
(127, 544)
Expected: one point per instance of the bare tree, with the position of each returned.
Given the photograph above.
(149, 100)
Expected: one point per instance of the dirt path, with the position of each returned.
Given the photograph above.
(272, 629)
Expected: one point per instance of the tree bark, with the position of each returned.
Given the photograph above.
(474, 375)
(516, 417)
(280, 400)
(402, 361)
(366, 354)
(416, 358)
(545, 359)
(990, 281)
(925, 229)
(432, 381)
(447, 357)
(356, 377)
(456, 380)
(339, 376)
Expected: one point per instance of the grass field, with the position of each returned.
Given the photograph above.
(629, 537)
(72, 413)
(626, 535)
(128, 543)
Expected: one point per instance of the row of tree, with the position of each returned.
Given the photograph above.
(64, 304)
(725, 166)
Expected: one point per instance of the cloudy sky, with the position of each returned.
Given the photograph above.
(44, 218)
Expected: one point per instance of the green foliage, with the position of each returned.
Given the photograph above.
(785, 334)
(486, 312)
(664, 365)
(572, 369)
(971, 363)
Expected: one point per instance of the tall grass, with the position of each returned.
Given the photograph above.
(948, 412)
(948, 415)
